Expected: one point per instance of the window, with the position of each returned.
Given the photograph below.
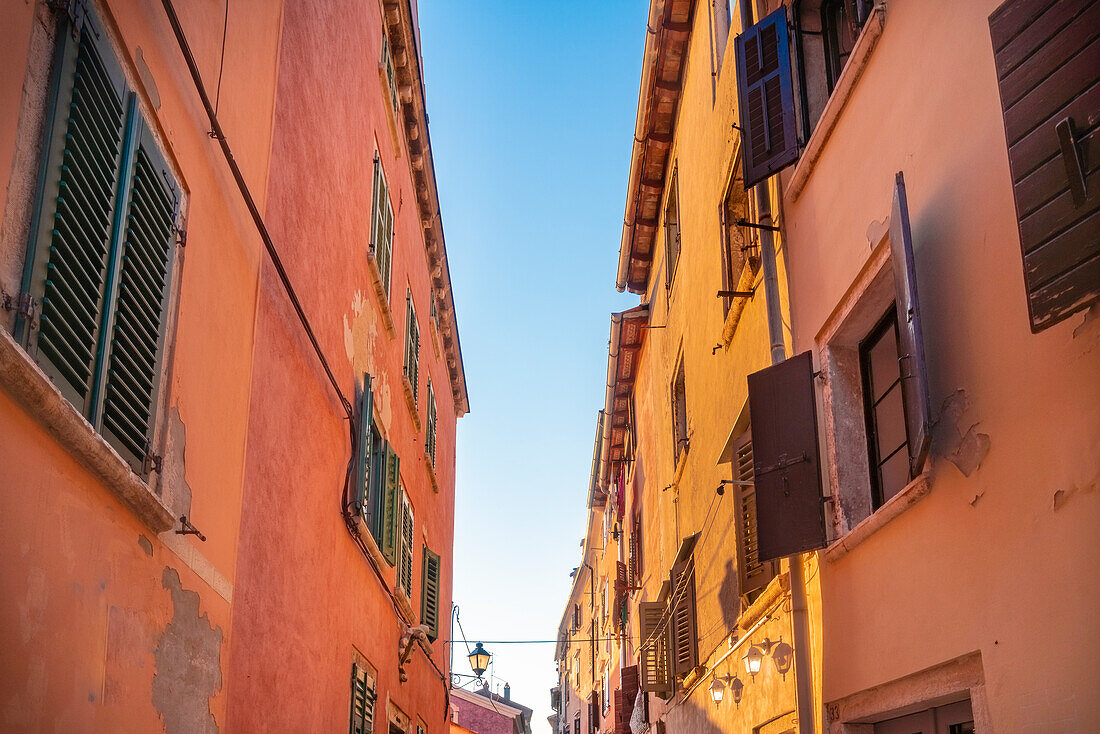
(721, 24)
(98, 270)
(369, 460)
(669, 647)
(391, 75)
(412, 346)
(577, 723)
(364, 694)
(387, 528)
(887, 441)
(405, 546)
(672, 230)
(430, 571)
(429, 432)
(381, 245)
(841, 22)
(679, 413)
(634, 557)
(605, 693)
(740, 244)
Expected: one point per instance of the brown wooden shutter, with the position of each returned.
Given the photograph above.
(1047, 56)
(685, 655)
(765, 94)
(914, 376)
(753, 575)
(790, 517)
(627, 693)
(653, 657)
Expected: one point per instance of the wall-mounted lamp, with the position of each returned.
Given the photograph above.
(718, 689)
(754, 658)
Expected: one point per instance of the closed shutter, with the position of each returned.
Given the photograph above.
(621, 590)
(625, 697)
(136, 332)
(765, 94)
(914, 376)
(653, 654)
(753, 574)
(363, 696)
(685, 654)
(1047, 56)
(412, 345)
(790, 516)
(389, 506)
(67, 263)
(429, 593)
(429, 434)
(364, 454)
(405, 567)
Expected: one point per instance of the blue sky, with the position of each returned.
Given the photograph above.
(531, 108)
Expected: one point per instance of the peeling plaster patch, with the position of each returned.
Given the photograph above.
(146, 545)
(965, 450)
(360, 334)
(174, 490)
(33, 605)
(188, 664)
(876, 231)
(1061, 496)
(1088, 328)
(147, 79)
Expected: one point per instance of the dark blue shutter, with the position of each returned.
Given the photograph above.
(914, 377)
(765, 93)
(137, 320)
(364, 455)
(67, 259)
(790, 517)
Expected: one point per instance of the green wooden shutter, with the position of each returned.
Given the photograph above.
(364, 458)
(429, 593)
(412, 345)
(136, 326)
(429, 433)
(358, 699)
(405, 567)
(389, 509)
(70, 244)
(381, 220)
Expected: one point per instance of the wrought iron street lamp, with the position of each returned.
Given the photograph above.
(479, 660)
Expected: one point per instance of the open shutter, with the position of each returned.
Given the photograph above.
(139, 316)
(625, 697)
(753, 574)
(914, 376)
(685, 655)
(390, 509)
(653, 657)
(1047, 56)
(429, 593)
(790, 516)
(405, 567)
(69, 249)
(765, 93)
(364, 454)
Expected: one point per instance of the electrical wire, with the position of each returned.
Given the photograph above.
(221, 62)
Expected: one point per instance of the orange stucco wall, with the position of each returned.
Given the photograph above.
(306, 595)
(101, 619)
(1003, 561)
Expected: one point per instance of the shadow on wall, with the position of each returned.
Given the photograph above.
(729, 596)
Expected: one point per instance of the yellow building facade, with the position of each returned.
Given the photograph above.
(827, 492)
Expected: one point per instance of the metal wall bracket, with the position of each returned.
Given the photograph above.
(186, 528)
(742, 222)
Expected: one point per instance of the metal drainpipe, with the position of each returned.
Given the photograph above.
(799, 613)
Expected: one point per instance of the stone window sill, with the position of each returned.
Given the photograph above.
(842, 92)
(410, 401)
(756, 611)
(432, 478)
(681, 465)
(913, 493)
(380, 293)
(738, 304)
(21, 378)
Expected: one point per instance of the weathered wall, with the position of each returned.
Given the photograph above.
(306, 595)
(100, 615)
(1001, 561)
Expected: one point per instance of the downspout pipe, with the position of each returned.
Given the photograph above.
(799, 608)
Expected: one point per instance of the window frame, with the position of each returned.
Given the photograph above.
(411, 366)
(672, 229)
(383, 256)
(678, 392)
(141, 147)
(888, 321)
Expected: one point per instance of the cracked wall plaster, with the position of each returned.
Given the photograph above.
(174, 490)
(188, 664)
(361, 330)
